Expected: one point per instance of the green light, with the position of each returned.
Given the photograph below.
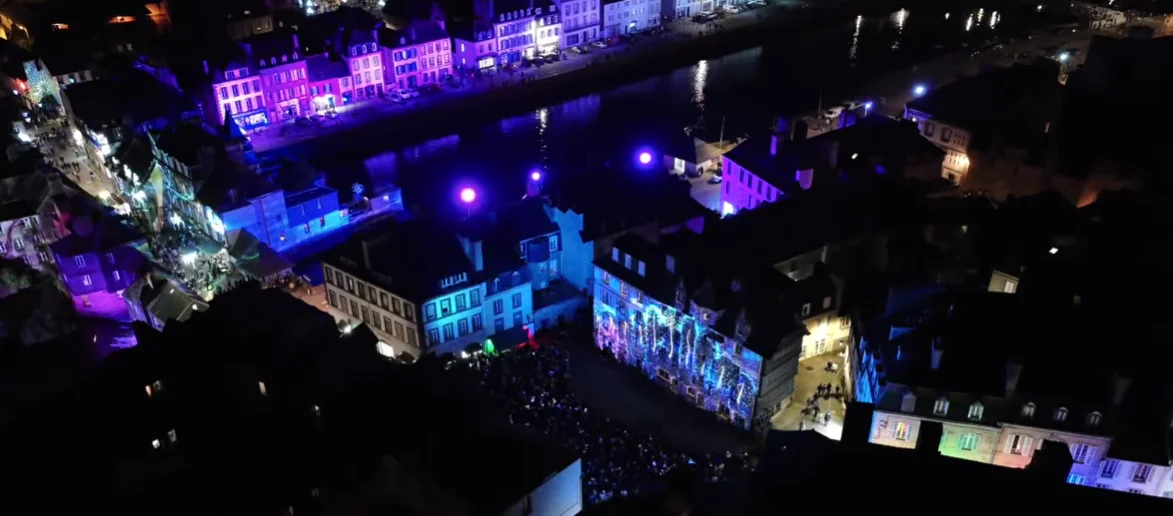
(490, 349)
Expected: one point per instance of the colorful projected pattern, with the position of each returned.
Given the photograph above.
(679, 352)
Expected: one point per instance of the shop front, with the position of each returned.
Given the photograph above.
(324, 104)
(487, 64)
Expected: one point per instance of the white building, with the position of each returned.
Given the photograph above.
(687, 8)
(629, 16)
(580, 22)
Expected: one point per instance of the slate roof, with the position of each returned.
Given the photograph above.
(407, 258)
(323, 68)
(419, 31)
(185, 142)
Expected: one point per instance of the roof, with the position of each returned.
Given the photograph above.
(186, 142)
(22, 195)
(614, 201)
(419, 31)
(228, 188)
(134, 95)
(473, 30)
(255, 258)
(516, 222)
(164, 297)
(274, 44)
(408, 258)
(109, 231)
(324, 68)
(345, 27)
(137, 153)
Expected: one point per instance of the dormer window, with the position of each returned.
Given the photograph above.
(627, 261)
(295, 56)
(1093, 419)
(941, 407)
(670, 263)
(975, 411)
(1061, 414)
(284, 58)
(1028, 410)
(615, 254)
(806, 309)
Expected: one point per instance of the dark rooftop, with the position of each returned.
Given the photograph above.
(409, 258)
(186, 142)
(418, 31)
(323, 67)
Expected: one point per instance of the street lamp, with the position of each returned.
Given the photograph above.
(645, 158)
(918, 90)
(867, 106)
(535, 176)
(467, 196)
(1064, 56)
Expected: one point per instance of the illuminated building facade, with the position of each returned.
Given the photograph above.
(474, 46)
(580, 22)
(724, 343)
(629, 16)
(419, 54)
(97, 261)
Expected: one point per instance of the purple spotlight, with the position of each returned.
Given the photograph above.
(468, 195)
(645, 158)
(535, 175)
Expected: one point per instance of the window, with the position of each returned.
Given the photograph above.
(1028, 410)
(353, 308)
(448, 335)
(171, 436)
(499, 324)
(517, 300)
(460, 302)
(430, 312)
(968, 442)
(395, 305)
(606, 279)
(383, 300)
(1019, 444)
(946, 134)
(827, 302)
(474, 298)
(85, 280)
(409, 312)
(929, 128)
(1093, 419)
(1061, 414)
(976, 410)
(387, 326)
(901, 431)
(517, 319)
(498, 306)
(477, 322)
(79, 261)
(1009, 287)
(18, 243)
(399, 331)
(941, 407)
(806, 309)
(615, 254)
(1142, 474)
(1134, 490)
(117, 276)
(263, 389)
(627, 261)
(1082, 453)
(553, 243)
(1076, 479)
(445, 307)
(463, 327)
(433, 337)
(366, 315)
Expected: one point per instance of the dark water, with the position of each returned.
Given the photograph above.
(741, 91)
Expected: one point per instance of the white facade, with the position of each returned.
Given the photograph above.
(1133, 477)
(630, 16)
(580, 22)
(686, 8)
(392, 318)
(27, 239)
(824, 334)
(952, 139)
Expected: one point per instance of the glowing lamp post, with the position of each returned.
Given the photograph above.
(867, 107)
(535, 176)
(534, 187)
(645, 158)
(468, 196)
(918, 90)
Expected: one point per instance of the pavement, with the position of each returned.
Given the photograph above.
(812, 372)
(623, 394)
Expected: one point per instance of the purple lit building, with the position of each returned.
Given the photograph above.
(97, 261)
(267, 83)
(474, 46)
(419, 54)
(352, 38)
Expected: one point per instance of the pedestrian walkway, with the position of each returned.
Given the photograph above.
(812, 373)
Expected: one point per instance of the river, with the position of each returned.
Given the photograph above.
(740, 92)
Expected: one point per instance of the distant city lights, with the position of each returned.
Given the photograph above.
(468, 195)
(1054, 250)
(645, 158)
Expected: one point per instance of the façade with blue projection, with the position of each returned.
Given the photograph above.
(675, 349)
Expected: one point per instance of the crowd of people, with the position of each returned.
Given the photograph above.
(616, 461)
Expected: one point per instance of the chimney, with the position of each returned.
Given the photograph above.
(1013, 373)
(366, 254)
(908, 403)
(938, 351)
(478, 258)
(1120, 384)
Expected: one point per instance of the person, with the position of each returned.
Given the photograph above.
(801, 425)
(826, 418)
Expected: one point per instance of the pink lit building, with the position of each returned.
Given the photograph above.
(327, 77)
(352, 37)
(420, 54)
(238, 92)
(267, 84)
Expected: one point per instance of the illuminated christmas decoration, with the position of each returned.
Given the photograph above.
(678, 351)
(40, 82)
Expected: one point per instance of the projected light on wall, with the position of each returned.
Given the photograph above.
(679, 352)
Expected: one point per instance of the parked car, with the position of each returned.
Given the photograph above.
(833, 112)
(731, 9)
(406, 94)
(552, 58)
(599, 44)
(715, 180)
(429, 89)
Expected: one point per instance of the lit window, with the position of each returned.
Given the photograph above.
(79, 261)
(385, 349)
(1109, 469)
(1020, 444)
(317, 412)
(156, 444)
(1093, 419)
(86, 280)
(901, 431)
(1028, 410)
(941, 407)
(806, 309)
(1061, 414)
(264, 391)
(1142, 474)
(1082, 453)
(1076, 479)
(149, 393)
(827, 302)
(1010, 286)
(968, 442)
(171, 437)
(976, 410)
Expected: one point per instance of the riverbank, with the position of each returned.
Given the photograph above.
(420, 123)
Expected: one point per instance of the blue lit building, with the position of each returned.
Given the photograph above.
(722, 337)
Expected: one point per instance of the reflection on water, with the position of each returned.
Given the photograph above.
(969, 23)
(994, 20)
(700, 75)
(899, 17)
(854, 50)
